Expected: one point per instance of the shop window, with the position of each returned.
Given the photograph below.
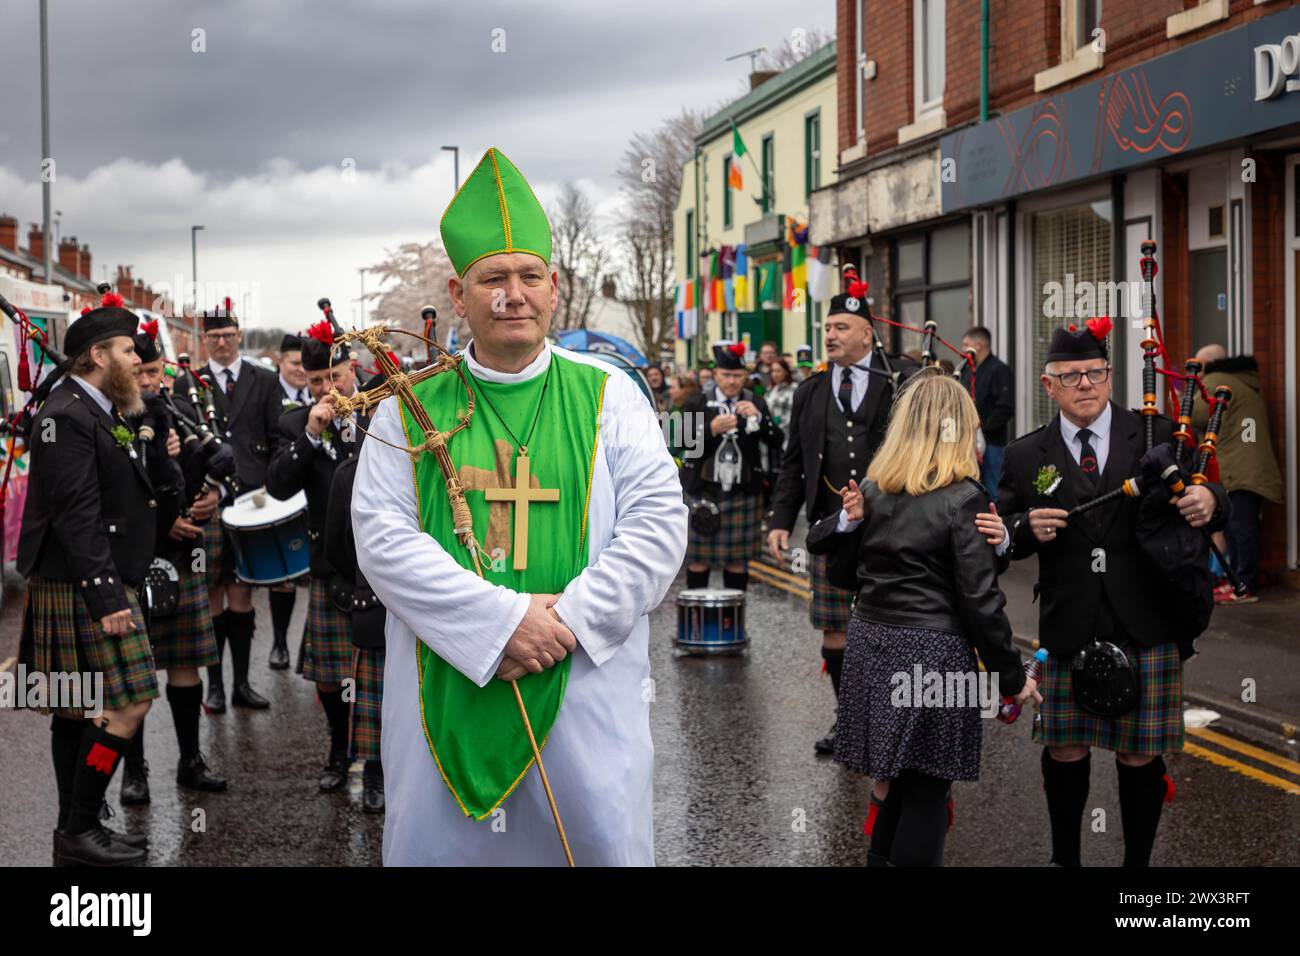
(932, 281)
(1070, 253)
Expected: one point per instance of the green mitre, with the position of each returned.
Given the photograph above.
(494, 212)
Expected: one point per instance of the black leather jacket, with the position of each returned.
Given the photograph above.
(923, 563)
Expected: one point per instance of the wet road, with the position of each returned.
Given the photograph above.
(736, 779)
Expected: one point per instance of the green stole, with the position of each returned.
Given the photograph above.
(476, 734)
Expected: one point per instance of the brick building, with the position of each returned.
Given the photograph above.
(1010, 183)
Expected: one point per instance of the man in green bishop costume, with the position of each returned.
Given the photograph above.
(579, 510)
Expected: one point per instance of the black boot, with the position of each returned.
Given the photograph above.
(281, 612)
(216, 699)
(239, 632)
(372, 787)
(94, 847)
(193, 773)
(139, 840)
(1142, 794)
(335, 774)
(135, 772)
(83, 840)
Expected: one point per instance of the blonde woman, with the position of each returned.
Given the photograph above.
(927, 592)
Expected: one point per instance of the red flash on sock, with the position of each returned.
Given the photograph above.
(101, 758)
(1169, 789)
(870, 823)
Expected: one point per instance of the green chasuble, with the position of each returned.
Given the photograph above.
(476, 734)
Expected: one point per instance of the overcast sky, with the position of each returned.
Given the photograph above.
(306, 137)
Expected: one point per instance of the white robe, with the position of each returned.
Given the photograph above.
(599, 757)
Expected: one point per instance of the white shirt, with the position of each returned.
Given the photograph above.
(1100, 438)
(861, 381)
(294, 394)
(100, 398)
(219, 370)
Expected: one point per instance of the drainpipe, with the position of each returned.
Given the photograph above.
(984, 61)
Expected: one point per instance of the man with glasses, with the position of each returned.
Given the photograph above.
(247, 398)
(1097, 584)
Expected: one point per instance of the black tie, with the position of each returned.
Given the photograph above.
(846, 391)
(1087, 457)
(230, 382)
(301, 399)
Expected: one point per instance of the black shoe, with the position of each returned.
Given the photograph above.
(335, 774)
(193, 774)
(138, 840)
(372, 789)
(279, 659)
(215, 702)
(95, 847)
(827, 744)
(245, 696)
(135, 783)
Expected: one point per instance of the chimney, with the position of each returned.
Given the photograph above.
(36, 243)
(83, 262)
(69, 255)
(139, 295)
(123, 284)
(759, 77)
(8, 232)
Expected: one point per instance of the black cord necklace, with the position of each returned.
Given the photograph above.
(523, 448)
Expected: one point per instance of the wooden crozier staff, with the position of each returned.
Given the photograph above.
(401, 384)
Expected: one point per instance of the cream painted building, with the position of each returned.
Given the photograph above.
(788, 125)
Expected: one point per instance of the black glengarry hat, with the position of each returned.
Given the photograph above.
(110, 320)
(1072, 344)
(318, 346)
(290, 343)
(729, 355)
(853, 300)
(222, 317)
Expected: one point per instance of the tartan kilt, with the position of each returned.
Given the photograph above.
(368, 669)
(738, 539)
(219, 555)
(186, 638)
(328, 649)
(831, 607)
(59, 636)
(1152, 728)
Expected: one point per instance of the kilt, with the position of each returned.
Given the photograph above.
(1153, 727)
(738, 539)
(219, 554)
(831, 606)
(328, 649)
(59, 636)
(186, 638)
(368, 669)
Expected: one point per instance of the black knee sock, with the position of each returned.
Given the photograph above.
(134, 756)
(886, 825)
(219, 630)
(922, 820)
(185, 717)
(336, 715)
(97, 758)
(65, 744)
(239, 633)
(735, 579)
(1141, 800)
(281, 612)
(697, 579)
(1066, 787)
(834, 658)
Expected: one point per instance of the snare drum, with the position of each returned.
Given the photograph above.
(711, 620)
(269, 537)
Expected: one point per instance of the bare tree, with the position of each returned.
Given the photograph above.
(578, 257)
(419, 272)
(794, 47)
(651, 178)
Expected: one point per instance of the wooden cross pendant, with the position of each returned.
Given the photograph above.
(521, 495)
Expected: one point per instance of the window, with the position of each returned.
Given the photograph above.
(1070, 251)
(1081, 51)
(928, 55)
(769, 173)
(861, 73)
(726, 192)
(932, 281)
(690, 243)
(812, 152)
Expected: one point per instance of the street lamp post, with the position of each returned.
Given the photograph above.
(194, 265)
(46, 174)
(455, 165)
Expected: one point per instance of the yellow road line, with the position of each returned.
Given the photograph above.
(1260, 754)
(780, 585)
(1235, 766)
(7, 664)
(781, 572)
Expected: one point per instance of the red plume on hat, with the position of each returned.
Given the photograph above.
(150, 328)
(111, 300)
(322, 332)
(84, 311)
(737, 349)
(1100, 328)
(858, 289)
(228, 308)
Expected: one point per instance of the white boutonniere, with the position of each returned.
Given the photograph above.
(327, 442)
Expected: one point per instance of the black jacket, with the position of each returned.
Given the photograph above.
(368, 615)
(298, 465)
(799, 481)
(698, 412)
(249, 418)
(995, 398)
(923, 563)
(1069, 590)
(91, 515)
